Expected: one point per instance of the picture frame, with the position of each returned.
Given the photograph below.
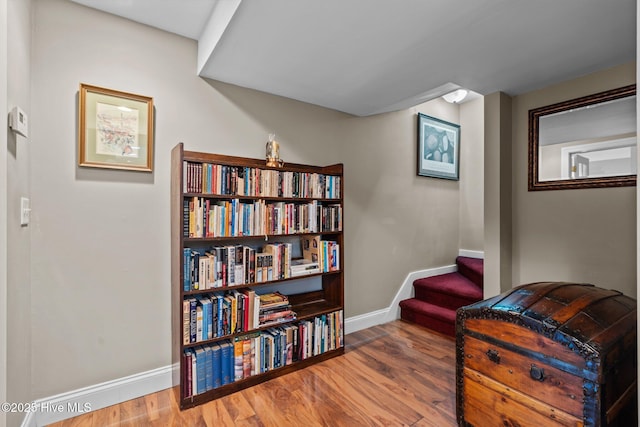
(115, 129)
(438, 148)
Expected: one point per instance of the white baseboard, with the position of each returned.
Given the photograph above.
(73, 403)
(385, 315)
(67, 405)
(406, 290)
(471, 254)
(364, 321)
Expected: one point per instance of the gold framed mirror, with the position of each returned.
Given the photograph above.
(587, 142)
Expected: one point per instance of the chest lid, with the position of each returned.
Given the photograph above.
(587, 319)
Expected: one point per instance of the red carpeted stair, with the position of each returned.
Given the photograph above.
(438, 297)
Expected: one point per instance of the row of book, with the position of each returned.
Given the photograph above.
(326, 253)
(217, 179)
(214, 365)
(233, 265)
(219, 314)
(202, 217)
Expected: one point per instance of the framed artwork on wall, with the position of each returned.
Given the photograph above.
(438, 148)
(115, 129)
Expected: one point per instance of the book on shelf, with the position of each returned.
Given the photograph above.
(198, 321)
(206, 328)
(188, 376)
(232, 265)
(277, 319)
(231, 260)
(239, 265)
(251, 308)
(325, 252)
(193, 321)
(226, 315)
(267, 359)
(216, 314)
(274, 251)
(214, 365)
(194, 372)
(250, 362)
(273, 340)
(335, 256)
(281, 256)
(186, 269)
(292, 342)
(259, 264)
(200, 384)
(208, 368)
(311, 248)
(264, 267)
(273, 299)
(276, 314)
(226, 362)
(274, 309)
(202, 177)
(249, 264)
(238, 355)
(246, 357)
(186, 321)
(233, 218)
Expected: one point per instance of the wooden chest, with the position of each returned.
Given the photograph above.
(547, 354)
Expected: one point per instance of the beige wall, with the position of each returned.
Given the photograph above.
(100, 239)
(18, 237)
(472, 175)
(3, 211)
(396, 221)
(584, 235)
(497, 194)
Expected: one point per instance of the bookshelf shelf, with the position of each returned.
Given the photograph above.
(269, 237)
(256, 379)
(261, 284)
(265, 198)
(232, 275)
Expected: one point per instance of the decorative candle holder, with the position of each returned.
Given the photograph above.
(273, 153)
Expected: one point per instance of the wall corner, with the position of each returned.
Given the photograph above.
(497, 194)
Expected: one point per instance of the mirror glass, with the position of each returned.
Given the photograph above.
(585, 142)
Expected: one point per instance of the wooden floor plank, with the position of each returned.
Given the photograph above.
(387, 405)
(392, 374)
(215, 414)
(109, 416)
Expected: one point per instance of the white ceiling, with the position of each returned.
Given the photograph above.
(365, 57)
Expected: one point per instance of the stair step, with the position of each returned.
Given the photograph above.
(429, 315)
(451, 290)
(438, 297)
(472, 269)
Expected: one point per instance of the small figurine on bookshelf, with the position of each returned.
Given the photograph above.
(273, 152)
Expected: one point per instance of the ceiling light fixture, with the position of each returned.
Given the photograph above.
(456, 96)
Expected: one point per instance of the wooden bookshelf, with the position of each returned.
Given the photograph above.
(212, 194)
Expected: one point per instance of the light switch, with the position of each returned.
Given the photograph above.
(25, 211)
(18, 121)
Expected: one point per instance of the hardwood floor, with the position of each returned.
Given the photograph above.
(393, 374)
